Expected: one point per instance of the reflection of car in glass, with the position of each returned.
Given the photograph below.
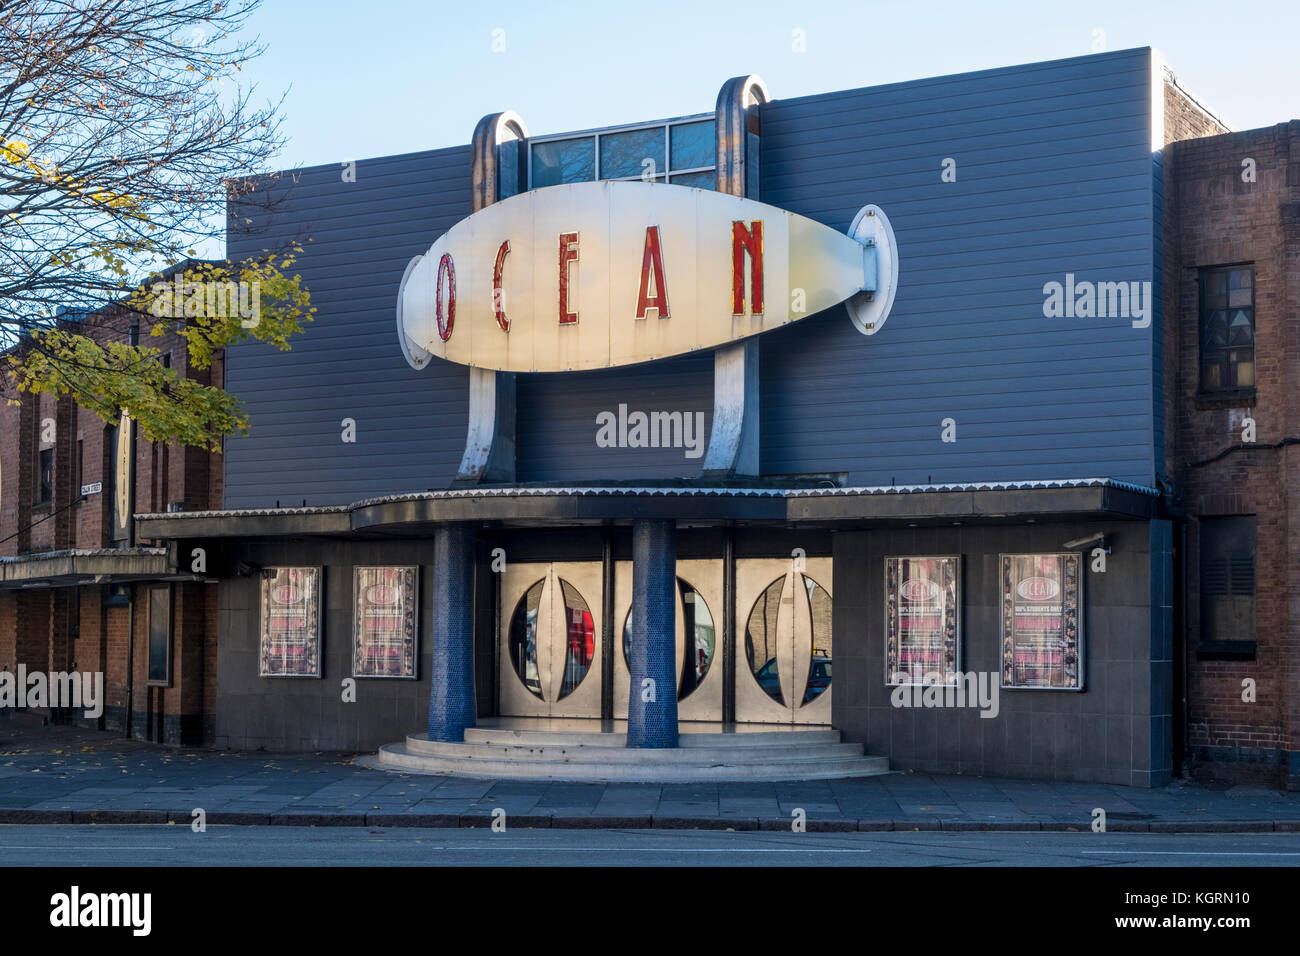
(769, 679)
(819, 677)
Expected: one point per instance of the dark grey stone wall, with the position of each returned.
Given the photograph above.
(297, 714)
(1116, 730)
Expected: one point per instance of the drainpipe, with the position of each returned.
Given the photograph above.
(132, 338)
(130, 656)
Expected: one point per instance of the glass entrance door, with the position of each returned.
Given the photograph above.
(698, 627)
(783, 641)
(549, 640)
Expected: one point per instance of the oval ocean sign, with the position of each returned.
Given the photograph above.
(601, 274)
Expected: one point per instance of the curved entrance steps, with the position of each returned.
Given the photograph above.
(564, 754)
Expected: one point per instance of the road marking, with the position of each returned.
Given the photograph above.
(1185, 853)
(577, 848)
(532, 846)
(64, 846)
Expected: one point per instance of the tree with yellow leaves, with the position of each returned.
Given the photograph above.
(124, 133)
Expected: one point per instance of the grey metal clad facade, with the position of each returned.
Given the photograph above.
(410, 426)
(557, 420)
(1053, 165)
(1053, 176)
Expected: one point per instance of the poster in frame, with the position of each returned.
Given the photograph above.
(290, 622)
(1042, 621)
(385, 621)
(923, 600)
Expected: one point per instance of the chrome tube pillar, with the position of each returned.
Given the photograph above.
(733, 437)
(490, 441)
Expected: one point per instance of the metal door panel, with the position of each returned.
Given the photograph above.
(705, 701)
(794, 641)
(513, 695)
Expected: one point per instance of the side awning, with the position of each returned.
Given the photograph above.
(72, 568)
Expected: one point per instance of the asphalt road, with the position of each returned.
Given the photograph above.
(364, 846)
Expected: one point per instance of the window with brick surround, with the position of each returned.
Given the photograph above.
(1227, 325)
(1227, 579)
(45, 483)
(160, 636)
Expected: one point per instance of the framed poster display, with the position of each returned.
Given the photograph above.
(922, 620)
(290, 636)
(385, 621)
(1042, 621)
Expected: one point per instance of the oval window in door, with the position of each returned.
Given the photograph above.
(760, 640)
(701, 639)
(579, 638)
(523, 639)
(819, 668)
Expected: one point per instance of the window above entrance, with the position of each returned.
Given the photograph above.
(680, 151)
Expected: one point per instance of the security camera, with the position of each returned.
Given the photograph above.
(1084, 544)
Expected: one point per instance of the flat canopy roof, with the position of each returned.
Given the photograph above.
(70, 568)
(522, 507)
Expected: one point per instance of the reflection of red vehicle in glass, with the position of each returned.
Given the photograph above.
(582, 636)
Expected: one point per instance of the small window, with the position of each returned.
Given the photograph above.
(564, 161)
(46, 477)
(160, 636)
(637, 152)
(80, 478)
(1228, 329)
(1227, 579)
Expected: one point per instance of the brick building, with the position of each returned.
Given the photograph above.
(74, 581)
(1232, 268)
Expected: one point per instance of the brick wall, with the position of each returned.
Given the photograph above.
(1215, 218)
(62, 628)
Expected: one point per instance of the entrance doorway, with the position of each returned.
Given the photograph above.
(783, 641)
(549, 640)
(698, 627)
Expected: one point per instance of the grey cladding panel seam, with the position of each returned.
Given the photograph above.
(1032, 397)
(410, 426)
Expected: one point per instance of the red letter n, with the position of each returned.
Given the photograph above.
(746, 241)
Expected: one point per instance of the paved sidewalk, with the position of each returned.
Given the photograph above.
(66, 775)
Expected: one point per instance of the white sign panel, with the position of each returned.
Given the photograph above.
(601, 274)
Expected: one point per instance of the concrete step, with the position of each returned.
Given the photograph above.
(619, 753)
(748, 738)
(684, 766)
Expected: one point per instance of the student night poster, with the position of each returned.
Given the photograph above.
(290, 639)
(1041, 627)
(384, 631)
(922, 626)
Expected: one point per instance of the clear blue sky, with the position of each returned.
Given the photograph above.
(390, 76)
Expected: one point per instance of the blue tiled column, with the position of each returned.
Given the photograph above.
(451, 696)
(652, 653)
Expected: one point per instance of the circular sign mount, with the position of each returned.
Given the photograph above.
(416, 356)
(869, 309)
